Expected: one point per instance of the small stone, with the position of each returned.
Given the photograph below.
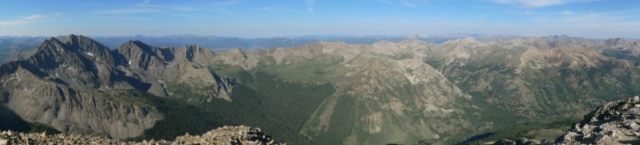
(612, 134)
(632, 125)
(43, 134)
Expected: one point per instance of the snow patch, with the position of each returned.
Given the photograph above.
(90, 54)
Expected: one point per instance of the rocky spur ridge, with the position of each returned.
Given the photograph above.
(233, 135)
(614, 123)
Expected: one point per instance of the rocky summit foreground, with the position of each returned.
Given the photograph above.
(224, 135)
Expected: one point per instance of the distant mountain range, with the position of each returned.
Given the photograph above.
(11, 44)
(404, 92)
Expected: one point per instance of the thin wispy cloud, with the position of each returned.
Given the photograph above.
(220, 11)
(35, 16)
(25, 20)
(185, 15)
(310, 6)
(407, 3)
(539, 3)
(268, 9)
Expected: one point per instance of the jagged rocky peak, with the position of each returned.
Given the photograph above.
(54, 55)
(51, 43)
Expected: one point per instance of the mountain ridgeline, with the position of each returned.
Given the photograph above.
(319, 93)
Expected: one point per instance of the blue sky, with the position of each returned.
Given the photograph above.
(269, 18)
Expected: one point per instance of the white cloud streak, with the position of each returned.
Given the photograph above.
(538, 3)
(25, 20)
(35, 16)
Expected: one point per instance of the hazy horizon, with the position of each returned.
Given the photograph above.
(246, 18)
